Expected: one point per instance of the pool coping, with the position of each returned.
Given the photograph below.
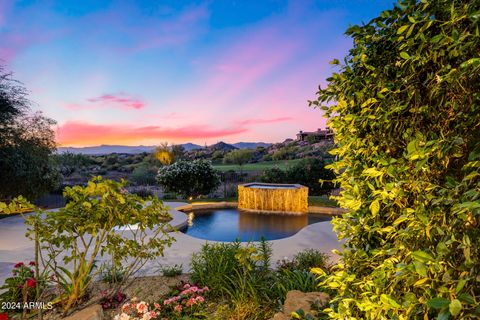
(332, 211)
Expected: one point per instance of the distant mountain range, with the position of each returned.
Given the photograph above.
(107, 149)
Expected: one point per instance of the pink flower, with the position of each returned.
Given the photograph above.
(126, 307)
(178, 308)
(191, 302)
(199, 299)
(142, 307)
(186, 286)
(157, 306)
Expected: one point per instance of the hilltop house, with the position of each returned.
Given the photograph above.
(318, 135)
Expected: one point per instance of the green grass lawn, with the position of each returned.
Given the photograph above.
(321, 201)
(259, 166)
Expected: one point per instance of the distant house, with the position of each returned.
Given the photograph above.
(318, 135)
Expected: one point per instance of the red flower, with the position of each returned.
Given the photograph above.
(19, 264)
(31, 283)
(31, 263)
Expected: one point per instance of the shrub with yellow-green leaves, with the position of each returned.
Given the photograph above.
(405, 109)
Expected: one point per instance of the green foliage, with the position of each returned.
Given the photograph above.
(287, 280)
(144, 174)
(273, 175)
(234, 271)
(68, 163)
(189, 178)
(26, 143)
(172, 271)
(405, 110)
(238, 157)
(96, 222)
(304, 261)
(112, 273)
(308, 172)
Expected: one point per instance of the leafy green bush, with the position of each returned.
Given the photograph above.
(307, 172)
(189, 178)
(405, 110)
(90, 226)
(274, 175)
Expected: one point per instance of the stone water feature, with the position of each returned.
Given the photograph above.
(273, 197)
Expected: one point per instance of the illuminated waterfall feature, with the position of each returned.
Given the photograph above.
(268, 197)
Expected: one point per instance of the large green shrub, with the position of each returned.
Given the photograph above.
(100, 220)
(405, 108)
(308, 172)
(189, 178)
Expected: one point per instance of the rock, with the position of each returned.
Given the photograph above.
(94, 312)
(280, 316)
(300, 300)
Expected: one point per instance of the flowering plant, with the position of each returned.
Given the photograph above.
(21, 286)
(135, 310)
(185, 299)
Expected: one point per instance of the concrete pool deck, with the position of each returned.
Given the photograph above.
(15, 247)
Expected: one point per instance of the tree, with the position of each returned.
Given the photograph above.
(189, 178)
(405, 109)
(238, 157)
(26, 143)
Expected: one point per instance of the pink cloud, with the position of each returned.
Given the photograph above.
(75, 133)
(120, 99)
(264, 121)
(116, 101)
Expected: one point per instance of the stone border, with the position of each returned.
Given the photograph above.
(332, 211)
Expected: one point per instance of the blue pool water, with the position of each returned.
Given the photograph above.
(231, 224)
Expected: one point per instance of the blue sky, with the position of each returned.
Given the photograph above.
(144, 72)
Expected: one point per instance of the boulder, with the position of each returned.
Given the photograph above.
(94, 312)
(300, 300)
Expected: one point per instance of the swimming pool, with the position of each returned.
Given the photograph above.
(232, 224)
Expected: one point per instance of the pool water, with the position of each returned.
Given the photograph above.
(232, 224)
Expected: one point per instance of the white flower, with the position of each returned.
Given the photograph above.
(122, 316)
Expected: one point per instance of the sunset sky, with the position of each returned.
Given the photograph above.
(144, 72)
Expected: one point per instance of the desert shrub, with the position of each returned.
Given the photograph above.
(405, 110)
(144, 192)
(308, 172)
(305, 260)
(172, 271)
(273, 175)
(144, 174)
(189, 178)
(87, 228)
